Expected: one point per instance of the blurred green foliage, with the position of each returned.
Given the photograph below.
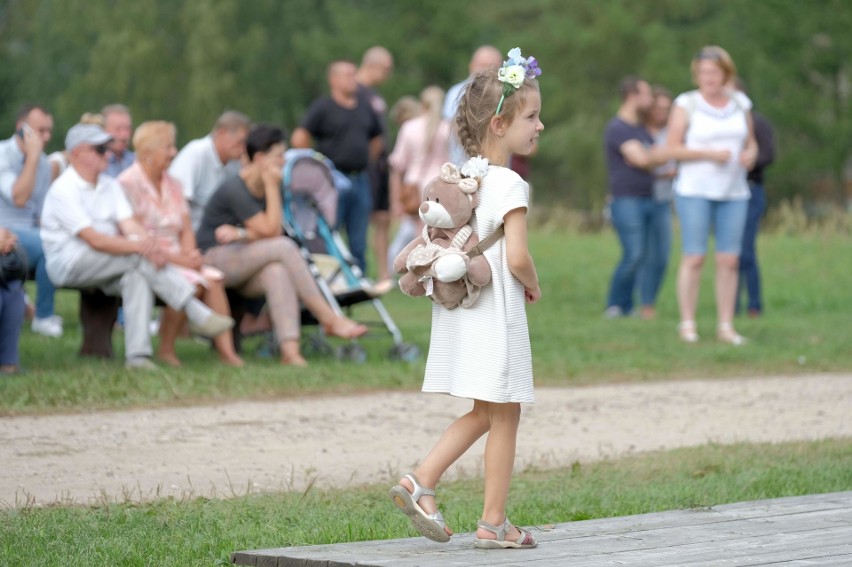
(188, 61)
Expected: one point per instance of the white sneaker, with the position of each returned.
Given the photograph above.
(48, 326)
(213, 326)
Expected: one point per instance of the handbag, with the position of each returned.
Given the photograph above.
(13, 266)
(410, 198)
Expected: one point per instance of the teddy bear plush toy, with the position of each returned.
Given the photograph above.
(436, 263)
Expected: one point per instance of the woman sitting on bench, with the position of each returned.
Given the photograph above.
(159, 205)
(241, 234)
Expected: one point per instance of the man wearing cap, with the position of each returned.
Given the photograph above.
(92, 240)
(24, 181)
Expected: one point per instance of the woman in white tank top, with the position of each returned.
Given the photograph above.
(711, 135)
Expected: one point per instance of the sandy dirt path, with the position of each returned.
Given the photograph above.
(337, 441)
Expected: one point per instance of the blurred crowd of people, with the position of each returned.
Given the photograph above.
(124, 211)
(705, 152)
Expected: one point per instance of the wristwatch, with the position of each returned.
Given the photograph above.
(241, 233)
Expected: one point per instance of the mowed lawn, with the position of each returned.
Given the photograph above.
(805, 330)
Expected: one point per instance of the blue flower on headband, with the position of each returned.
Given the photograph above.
(513, 72)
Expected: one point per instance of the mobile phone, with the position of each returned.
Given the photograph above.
(24, 128)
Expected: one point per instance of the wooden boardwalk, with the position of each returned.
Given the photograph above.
(797, 531)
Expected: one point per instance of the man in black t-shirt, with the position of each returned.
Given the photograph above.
(345, 129)
(630, 157)
(376, 67)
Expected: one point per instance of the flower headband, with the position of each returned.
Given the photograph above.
(513, 72)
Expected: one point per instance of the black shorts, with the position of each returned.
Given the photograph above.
(380, 184)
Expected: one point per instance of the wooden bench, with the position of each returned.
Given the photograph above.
(99, 313)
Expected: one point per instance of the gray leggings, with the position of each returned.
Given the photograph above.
(271, 268)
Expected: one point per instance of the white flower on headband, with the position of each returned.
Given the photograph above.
(468, 185)
(450, 173)
(475, 167)
(513, 72)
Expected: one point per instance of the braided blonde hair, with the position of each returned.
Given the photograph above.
(478, 105)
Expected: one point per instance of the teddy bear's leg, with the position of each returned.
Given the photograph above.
(409, 285)
(450, 267)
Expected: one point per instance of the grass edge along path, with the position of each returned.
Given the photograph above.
(199, 531)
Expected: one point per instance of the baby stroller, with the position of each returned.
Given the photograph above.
(310, 187)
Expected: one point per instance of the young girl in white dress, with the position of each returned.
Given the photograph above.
(483, 352)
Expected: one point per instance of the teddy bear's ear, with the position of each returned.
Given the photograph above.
(450, 173)
(468, 185)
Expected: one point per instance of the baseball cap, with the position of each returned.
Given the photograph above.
(85, 134)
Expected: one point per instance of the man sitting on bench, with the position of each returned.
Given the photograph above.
(92, 240)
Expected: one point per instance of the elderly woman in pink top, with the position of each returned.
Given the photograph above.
(421, 149)
(159, 205)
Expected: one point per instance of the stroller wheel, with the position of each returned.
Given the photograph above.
(316, 345)
(352, 352)
(405, 352)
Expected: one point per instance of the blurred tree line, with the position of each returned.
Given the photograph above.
(187, 61)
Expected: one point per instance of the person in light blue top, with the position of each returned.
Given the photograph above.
(24, 180)
(118, 123)
(484, 57)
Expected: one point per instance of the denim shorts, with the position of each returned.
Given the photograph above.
(698, 215)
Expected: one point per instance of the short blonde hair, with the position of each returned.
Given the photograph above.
(717, 55)
(152, 135)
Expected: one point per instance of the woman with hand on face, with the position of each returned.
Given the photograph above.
(241, 234)
(159, 205)
(711, 135)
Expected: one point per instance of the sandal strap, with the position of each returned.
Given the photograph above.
(501, 531)
(418, 490)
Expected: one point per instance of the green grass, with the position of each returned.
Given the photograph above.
(205, 532)
(807, 284)
(806, 281)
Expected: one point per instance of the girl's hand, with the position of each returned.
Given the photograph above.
(532, 295)
(271, 176)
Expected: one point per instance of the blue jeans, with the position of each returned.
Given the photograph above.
(31, 242)
(354, 207)
(632, 218)
(749, 270)
(11, 319)
(697, 215)
(653, 269)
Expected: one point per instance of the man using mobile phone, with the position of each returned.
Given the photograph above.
(24, 181)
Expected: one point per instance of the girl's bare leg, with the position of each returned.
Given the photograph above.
(455, 441)
(499, 464)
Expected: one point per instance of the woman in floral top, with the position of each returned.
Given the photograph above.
(158, 203)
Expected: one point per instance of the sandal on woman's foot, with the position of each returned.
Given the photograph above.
(524, 541)
(429, 525)
(686, 332)
(727, 334)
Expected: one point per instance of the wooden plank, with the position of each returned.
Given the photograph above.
(803, 530)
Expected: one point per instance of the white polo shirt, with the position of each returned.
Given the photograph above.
(71, 205)
(200, 171)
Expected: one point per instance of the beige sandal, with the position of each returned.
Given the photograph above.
(524, 541)
(429, 525)
(686, 332)
(726, 334)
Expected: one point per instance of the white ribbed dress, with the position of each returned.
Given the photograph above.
(483, 352)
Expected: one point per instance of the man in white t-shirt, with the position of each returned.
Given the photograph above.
(92, 240)
(203, 164)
